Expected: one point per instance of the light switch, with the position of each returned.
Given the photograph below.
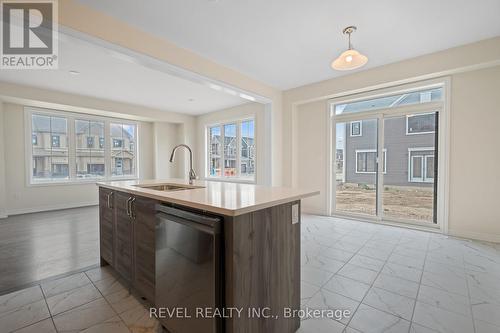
(295, 213)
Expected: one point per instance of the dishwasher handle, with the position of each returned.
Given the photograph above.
(190, 216)
(162, 217)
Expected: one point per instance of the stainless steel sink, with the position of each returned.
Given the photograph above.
(168, 187)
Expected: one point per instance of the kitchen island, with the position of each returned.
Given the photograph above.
(226, 254)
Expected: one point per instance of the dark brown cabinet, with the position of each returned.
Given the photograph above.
(123, 236)
(127, 238)
(143, 210)
(106, 224)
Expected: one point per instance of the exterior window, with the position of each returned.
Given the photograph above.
(51, 147)
(123, 152)
(90, 142)
(49, 152)
(89, 160)
(117, 143)
(214, 151)
(247, 159)
(356, 128)
(421, 124)
(421, 165)
(56, 141)
(366, 161)
(392, 101)
(231, 150)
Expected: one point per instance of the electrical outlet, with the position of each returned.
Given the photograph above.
(295, 213)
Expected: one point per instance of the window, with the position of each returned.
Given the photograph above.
(90, 142)
(385, 102)
(247, 159)
(49, 154)
(421, 165)
(123, 155)
(231, 150)
(64, 147)
(356, 128)
(56, 141)
(215, 155)
(89, 160)
(366, 161)
(117, 143)
(421, 123)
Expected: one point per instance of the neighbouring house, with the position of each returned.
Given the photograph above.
(50, 142)
(247, 158)
(409, 154)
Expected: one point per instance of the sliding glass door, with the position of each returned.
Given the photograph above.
(386, 158)
(409, 191)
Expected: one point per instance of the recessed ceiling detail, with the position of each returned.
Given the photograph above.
(92, 70)
(287, 44)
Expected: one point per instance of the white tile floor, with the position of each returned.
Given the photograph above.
(91, 302)
(397, 280)
(390, 279)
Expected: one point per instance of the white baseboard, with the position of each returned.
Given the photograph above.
(495, 238)
(37, 209)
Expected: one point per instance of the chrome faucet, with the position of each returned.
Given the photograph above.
(192, 174)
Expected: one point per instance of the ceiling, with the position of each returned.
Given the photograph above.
(112, 76)
(289, 43)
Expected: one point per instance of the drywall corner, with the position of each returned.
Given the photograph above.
(3, 203)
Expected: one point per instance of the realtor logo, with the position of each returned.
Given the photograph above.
(29, 34)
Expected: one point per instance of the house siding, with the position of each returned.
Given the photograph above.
(396, 144)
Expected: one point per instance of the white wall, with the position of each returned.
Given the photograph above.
(166, 137)
(262, 136)
(475, 155)
(312, 160)
(3, 203)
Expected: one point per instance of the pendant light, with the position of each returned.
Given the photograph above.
(350, 59)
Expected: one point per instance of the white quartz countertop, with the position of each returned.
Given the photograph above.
(230, 199)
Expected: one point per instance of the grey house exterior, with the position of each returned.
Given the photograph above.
(409, 151)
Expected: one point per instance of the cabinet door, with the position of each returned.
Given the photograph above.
(123, 237)
(106, 225)
(144, 246)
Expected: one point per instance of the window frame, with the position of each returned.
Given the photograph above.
(416, 115)
(425, 180)
(360, 128)
(71, 117)
(357, 151)
(238, 178)
(58, 140)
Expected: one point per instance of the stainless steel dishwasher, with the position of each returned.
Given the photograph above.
(188, 270)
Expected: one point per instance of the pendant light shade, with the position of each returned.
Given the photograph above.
(349, 59)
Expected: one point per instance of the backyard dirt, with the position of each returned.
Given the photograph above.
(415, 203)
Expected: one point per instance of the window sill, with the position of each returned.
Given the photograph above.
(78, 182)
(231, 180)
